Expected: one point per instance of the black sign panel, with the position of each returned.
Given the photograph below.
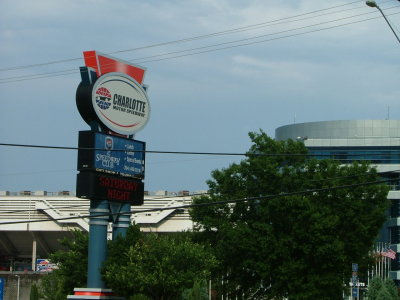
(98, 186)
(111, 154)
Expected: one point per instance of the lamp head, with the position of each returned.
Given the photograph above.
(371, 3)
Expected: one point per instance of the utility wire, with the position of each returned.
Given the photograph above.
(194, 194)
(152, 198)
(148, 60)
(65, 72)
(262, 41)
(362, 152)
(144, 59)
(280, 195)
(228, 31)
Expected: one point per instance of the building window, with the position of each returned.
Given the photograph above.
(395, 208)
(374, 155)
(395, 235)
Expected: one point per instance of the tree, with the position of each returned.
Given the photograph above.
(72, 268)
(383, 294)
(379, 289)
(391, 288)
(51, 287)
(199, 291)
(282, 242)
(158, 266)
(34, 295)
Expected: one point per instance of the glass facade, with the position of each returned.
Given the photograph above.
(374, 141)
(374, 155)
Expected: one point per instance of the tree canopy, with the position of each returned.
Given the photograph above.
(72, 268)
(305, 222)
(158, 266)
(138, 266)
(380, 289)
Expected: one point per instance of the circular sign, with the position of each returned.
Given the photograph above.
(120, 103)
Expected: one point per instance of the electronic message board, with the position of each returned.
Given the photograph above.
(111, 154)
(98, 186)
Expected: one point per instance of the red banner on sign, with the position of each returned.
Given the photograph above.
(104, 64)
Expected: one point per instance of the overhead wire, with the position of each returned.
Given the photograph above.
(148, 59)
(149, 197)
(228, 31)
(258, 42)
(198, 194)
(361, 152)
(234, 201)
(264, 35)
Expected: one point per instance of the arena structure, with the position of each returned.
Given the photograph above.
(33, 222)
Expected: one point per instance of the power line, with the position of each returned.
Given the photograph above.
(228, 31)
(15, 211)
(200, 194)
(280, 195)
(147, 60)
(205, 193)
(258, 42)
(258, 36)
(250, 154)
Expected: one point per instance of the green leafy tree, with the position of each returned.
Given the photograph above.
(34, 295)
(282, 243)
(391, 288)
(51, 287)
(158, 266)
(199, 291)
(383, 294)
(72, 268)
(374, 286)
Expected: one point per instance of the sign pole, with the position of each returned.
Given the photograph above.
(121, 223)
(98, 224)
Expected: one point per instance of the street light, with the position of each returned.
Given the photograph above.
(372, 3)
(18, 283)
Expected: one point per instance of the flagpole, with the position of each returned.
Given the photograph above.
(380, 259)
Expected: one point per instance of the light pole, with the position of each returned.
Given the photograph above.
(18, 281)
(372, 3)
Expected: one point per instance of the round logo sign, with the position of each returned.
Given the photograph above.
(120, 103)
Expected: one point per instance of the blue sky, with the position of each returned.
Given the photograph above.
(207, 102)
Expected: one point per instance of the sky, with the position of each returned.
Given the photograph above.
(216, 70)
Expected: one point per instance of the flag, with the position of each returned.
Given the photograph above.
(389, 253)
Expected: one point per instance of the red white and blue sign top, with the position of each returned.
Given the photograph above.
(118, 98)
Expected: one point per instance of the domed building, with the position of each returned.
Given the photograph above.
(376, 141)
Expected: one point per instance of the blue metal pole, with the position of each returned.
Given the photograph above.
(120, 226)
(97, 242)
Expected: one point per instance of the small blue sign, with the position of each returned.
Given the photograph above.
(2, 280)
(128, 163)
(354, 267)
(354, 292)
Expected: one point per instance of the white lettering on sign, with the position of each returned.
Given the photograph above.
(108, 161)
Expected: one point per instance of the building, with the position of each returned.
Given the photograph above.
(376, 141)
(31, 223)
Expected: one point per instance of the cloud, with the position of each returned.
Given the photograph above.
(280, 70)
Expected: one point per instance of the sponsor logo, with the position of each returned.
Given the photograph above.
(120, 103)
(103, 98)
(109, 143)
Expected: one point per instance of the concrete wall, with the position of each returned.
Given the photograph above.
(26, 280)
